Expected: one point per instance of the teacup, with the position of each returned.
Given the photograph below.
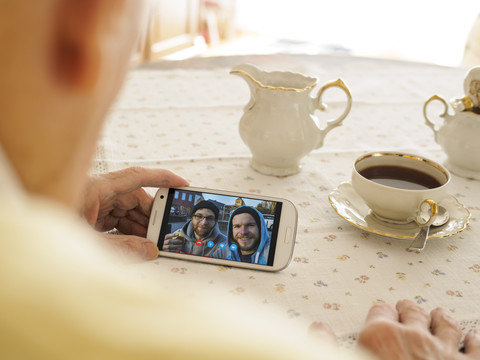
(400, 188)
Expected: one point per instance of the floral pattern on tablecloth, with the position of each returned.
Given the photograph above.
(187, 121)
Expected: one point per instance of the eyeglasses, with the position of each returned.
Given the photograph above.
(201, 218)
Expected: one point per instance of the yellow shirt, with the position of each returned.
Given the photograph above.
(64, 296)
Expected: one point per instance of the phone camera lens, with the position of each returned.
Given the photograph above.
(161, 196)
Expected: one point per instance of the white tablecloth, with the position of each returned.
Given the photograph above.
(184, 116)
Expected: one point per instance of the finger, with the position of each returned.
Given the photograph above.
(381, 332)
(134, 246)
(130, 222)
(320, 331)
(138, 217)
(138, 199)
(129, 227)
(446, 328)
(472, 344)
(381, 312)
(145, 202)
(410, 313)
(130, 179)
(118, 213)
(90, 210)
(106, 223)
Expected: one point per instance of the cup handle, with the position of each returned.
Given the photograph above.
(427, 206)
(429, 122)
(321, 106)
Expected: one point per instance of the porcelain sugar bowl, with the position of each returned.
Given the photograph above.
(457, 129)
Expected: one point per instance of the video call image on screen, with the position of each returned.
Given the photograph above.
(220, 226)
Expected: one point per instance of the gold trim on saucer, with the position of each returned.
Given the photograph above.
(405, 231)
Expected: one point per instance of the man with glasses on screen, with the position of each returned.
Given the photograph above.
(200, 235)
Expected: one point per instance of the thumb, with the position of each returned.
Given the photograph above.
(133, 246)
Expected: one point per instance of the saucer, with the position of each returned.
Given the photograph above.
(351, 207)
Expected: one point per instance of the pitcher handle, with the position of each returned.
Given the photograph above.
(333, 122)
(428, 121)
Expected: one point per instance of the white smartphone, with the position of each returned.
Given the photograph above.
(223, 227)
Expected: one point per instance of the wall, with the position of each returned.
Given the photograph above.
(423, 30)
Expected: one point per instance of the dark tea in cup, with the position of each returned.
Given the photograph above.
(400, 177)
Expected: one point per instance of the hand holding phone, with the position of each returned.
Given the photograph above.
(223, 227)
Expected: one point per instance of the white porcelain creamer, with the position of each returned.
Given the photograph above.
(278, 124)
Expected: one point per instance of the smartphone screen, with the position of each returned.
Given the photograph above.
(218, 226)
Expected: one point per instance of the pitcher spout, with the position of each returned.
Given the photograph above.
(275, 80)
(250, 73)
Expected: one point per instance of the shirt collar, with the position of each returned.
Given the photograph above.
(10, 185)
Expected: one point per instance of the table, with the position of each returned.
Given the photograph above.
(184, 116)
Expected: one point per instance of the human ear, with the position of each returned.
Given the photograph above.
(75, 46)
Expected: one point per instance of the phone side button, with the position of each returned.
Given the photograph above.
(288, 235)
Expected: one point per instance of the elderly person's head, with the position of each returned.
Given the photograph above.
(61, 65)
